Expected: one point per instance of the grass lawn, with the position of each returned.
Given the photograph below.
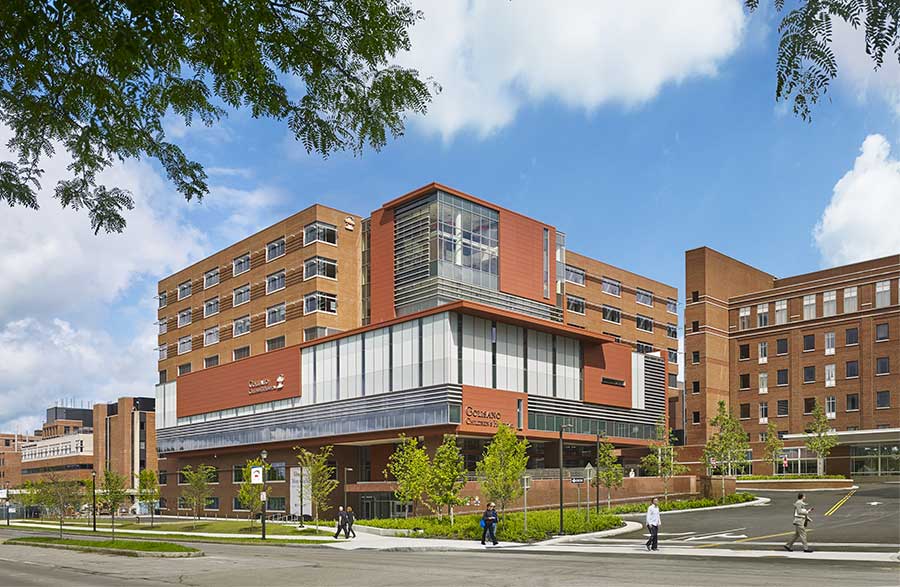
(213, 526)
(136, 545)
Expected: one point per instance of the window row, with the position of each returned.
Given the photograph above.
(782, 406)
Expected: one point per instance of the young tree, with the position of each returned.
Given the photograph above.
(197, 489)
(148, 490)
(661, 461)
(502, 466)
(107, 73)
(726, 450)
(820, 438)
(32, 497)
(322, 478)
(774, 446)
(447, 476)
(113, 495)
(409, 467)
(249, 493)
(61, 495)
(610, 473)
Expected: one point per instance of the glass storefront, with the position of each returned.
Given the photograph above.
(875, 459)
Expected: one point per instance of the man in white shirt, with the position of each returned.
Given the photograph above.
(653, 524)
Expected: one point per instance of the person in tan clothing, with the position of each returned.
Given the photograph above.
(801, 520)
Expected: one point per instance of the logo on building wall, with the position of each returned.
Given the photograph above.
(486, 418)
(349, 223)
(264, 385)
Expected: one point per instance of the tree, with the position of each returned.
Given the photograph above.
(774, 446)
(820, 437)
(148, 490)
(97, 79)
(60, 494)
(322, 478)
(113, 495)
(409, 467)
(447, 476)
(726, 450)
(249, 494)
(610, 473)
(502, 466)
(806, 63)
(660, 461)
(31, 497)
(197, 490)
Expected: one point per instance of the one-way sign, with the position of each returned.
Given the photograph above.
(577, 480)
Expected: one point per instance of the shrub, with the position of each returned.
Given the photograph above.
(683, 504)
(787, 477)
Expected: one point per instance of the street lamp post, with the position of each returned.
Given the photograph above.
(561, 504)
(94, 499)
(597, 474)
(346, 470)
(8, 500)
(264, 454)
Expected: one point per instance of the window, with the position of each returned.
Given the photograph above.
(744, 352)
(695, 357)
(763, 436)
(849, 299)
(163, 325)
(644, 323)
(829, 303)
(809, 342)
(275, 282)
(163, 352)
(671, 306)
(781, 434)
(211, 336)
(212, 503)
(237, 474)
(881, 332)
(762, 350)
(781, 408)
(809, 374)
(611, 286)
(321, 232)
(673, 380)
(184, 369)
(763, 382)
(611, 314)
(852, 402)
(319, 301)
(574, 275)
(882, 400)
(695, 296)
(211, 278)
(241, 326)
(763, 410)
(829, 343)
(212, 361)
(276, 472)
(695, 417)
(163, 376)
(275, 343)
(829, 375)
(163, 299)
(644, 297)
(241, 353)
(276, 504)
(673, 355)
(274, 249)
(241, 295)
(762, 315)
(809, 404)
(781, 346)
(882, 366)
(275, 314)
(695, 326)
(672, 330)
(781, 377)
(315, 332)
(744, 318)
(745, 381)
(240, 264)
(575, 304)
(320, 267)
(546, 260)
(851, 336)
(781, 315)
(184, 290)
(852, 369)
(695, 387)
(809, 307)
(745, 411)
(163, 478)
(830, 406)
(643, 347)
(184, 345)
(211, 307)
(184, 317)
(883, 294)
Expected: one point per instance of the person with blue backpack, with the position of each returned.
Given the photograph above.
(489, 523)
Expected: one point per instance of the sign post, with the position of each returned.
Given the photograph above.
(526, 484)
(590, 474)
(578, 482)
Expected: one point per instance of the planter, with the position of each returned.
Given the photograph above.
(795, 484)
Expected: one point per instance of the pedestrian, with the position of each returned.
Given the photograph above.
(801, 521)
(341, 522)
(348, 529)
(631, 474)
(653, 525)
(489, 521)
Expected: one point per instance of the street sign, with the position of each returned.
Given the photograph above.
(589, 472)
(262, 496)
(256, 475)
(577, 480)
(3, 493)
(526, 482)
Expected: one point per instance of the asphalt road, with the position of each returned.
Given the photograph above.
(233, 565)
(871, 516)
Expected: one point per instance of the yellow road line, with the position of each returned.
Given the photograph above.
(840, 502)
(752, 538)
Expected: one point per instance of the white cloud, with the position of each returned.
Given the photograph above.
(493, 58)
(241, 172)
(862, 221)
(856, 69)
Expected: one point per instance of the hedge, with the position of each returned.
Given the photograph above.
(787, 477)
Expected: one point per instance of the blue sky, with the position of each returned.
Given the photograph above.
(637, 149)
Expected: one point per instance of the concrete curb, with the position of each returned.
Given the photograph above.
(116, 551)
(756, 502)
(626, 529)
(805, 490)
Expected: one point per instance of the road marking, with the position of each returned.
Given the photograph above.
(750, 539)
(707, 535)
(874, 503)
(725, 536)
(840, 502)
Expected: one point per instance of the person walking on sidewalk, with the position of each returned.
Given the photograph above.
(489, 521)
(348, 529)
(341, 522)
(653, 525)
(801, 521)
